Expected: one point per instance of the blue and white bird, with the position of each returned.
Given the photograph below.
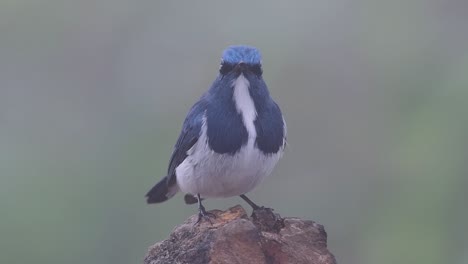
(231, 139)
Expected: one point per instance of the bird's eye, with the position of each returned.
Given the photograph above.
(257, 69)
(226, 68)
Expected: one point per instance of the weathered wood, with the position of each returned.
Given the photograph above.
(234, 238)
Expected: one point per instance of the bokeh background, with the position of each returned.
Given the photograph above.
(93, 94)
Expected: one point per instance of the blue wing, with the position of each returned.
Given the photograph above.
(188, 137)
(191, 129)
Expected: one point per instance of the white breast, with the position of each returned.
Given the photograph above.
(212, 174)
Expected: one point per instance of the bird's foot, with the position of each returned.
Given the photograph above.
(267, 220)
(203, 214)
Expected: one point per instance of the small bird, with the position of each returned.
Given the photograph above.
(231, 139)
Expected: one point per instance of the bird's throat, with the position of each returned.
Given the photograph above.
(245, 105)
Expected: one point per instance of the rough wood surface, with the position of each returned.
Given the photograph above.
(234, 238)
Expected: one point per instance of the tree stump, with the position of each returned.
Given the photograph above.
(234, 238)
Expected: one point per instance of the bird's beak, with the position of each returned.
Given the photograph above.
(241, 67)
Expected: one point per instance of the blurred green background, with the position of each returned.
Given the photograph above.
(93, 94)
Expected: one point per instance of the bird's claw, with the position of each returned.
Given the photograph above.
(203, 214)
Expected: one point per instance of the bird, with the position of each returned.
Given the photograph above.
(231, 139)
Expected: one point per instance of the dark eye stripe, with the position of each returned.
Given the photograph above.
(227, 67)
(256, 69)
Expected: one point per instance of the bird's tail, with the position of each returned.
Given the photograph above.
(162, 191)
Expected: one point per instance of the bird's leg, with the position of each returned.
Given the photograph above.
(202, 213)
(254, 206)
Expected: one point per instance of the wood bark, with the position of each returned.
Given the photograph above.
(234, 238)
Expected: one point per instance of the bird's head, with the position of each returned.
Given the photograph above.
(241, 59)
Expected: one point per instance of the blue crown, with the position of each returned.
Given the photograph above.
(246, 54)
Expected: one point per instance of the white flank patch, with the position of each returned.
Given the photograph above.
(223, 175)
(245, 105)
